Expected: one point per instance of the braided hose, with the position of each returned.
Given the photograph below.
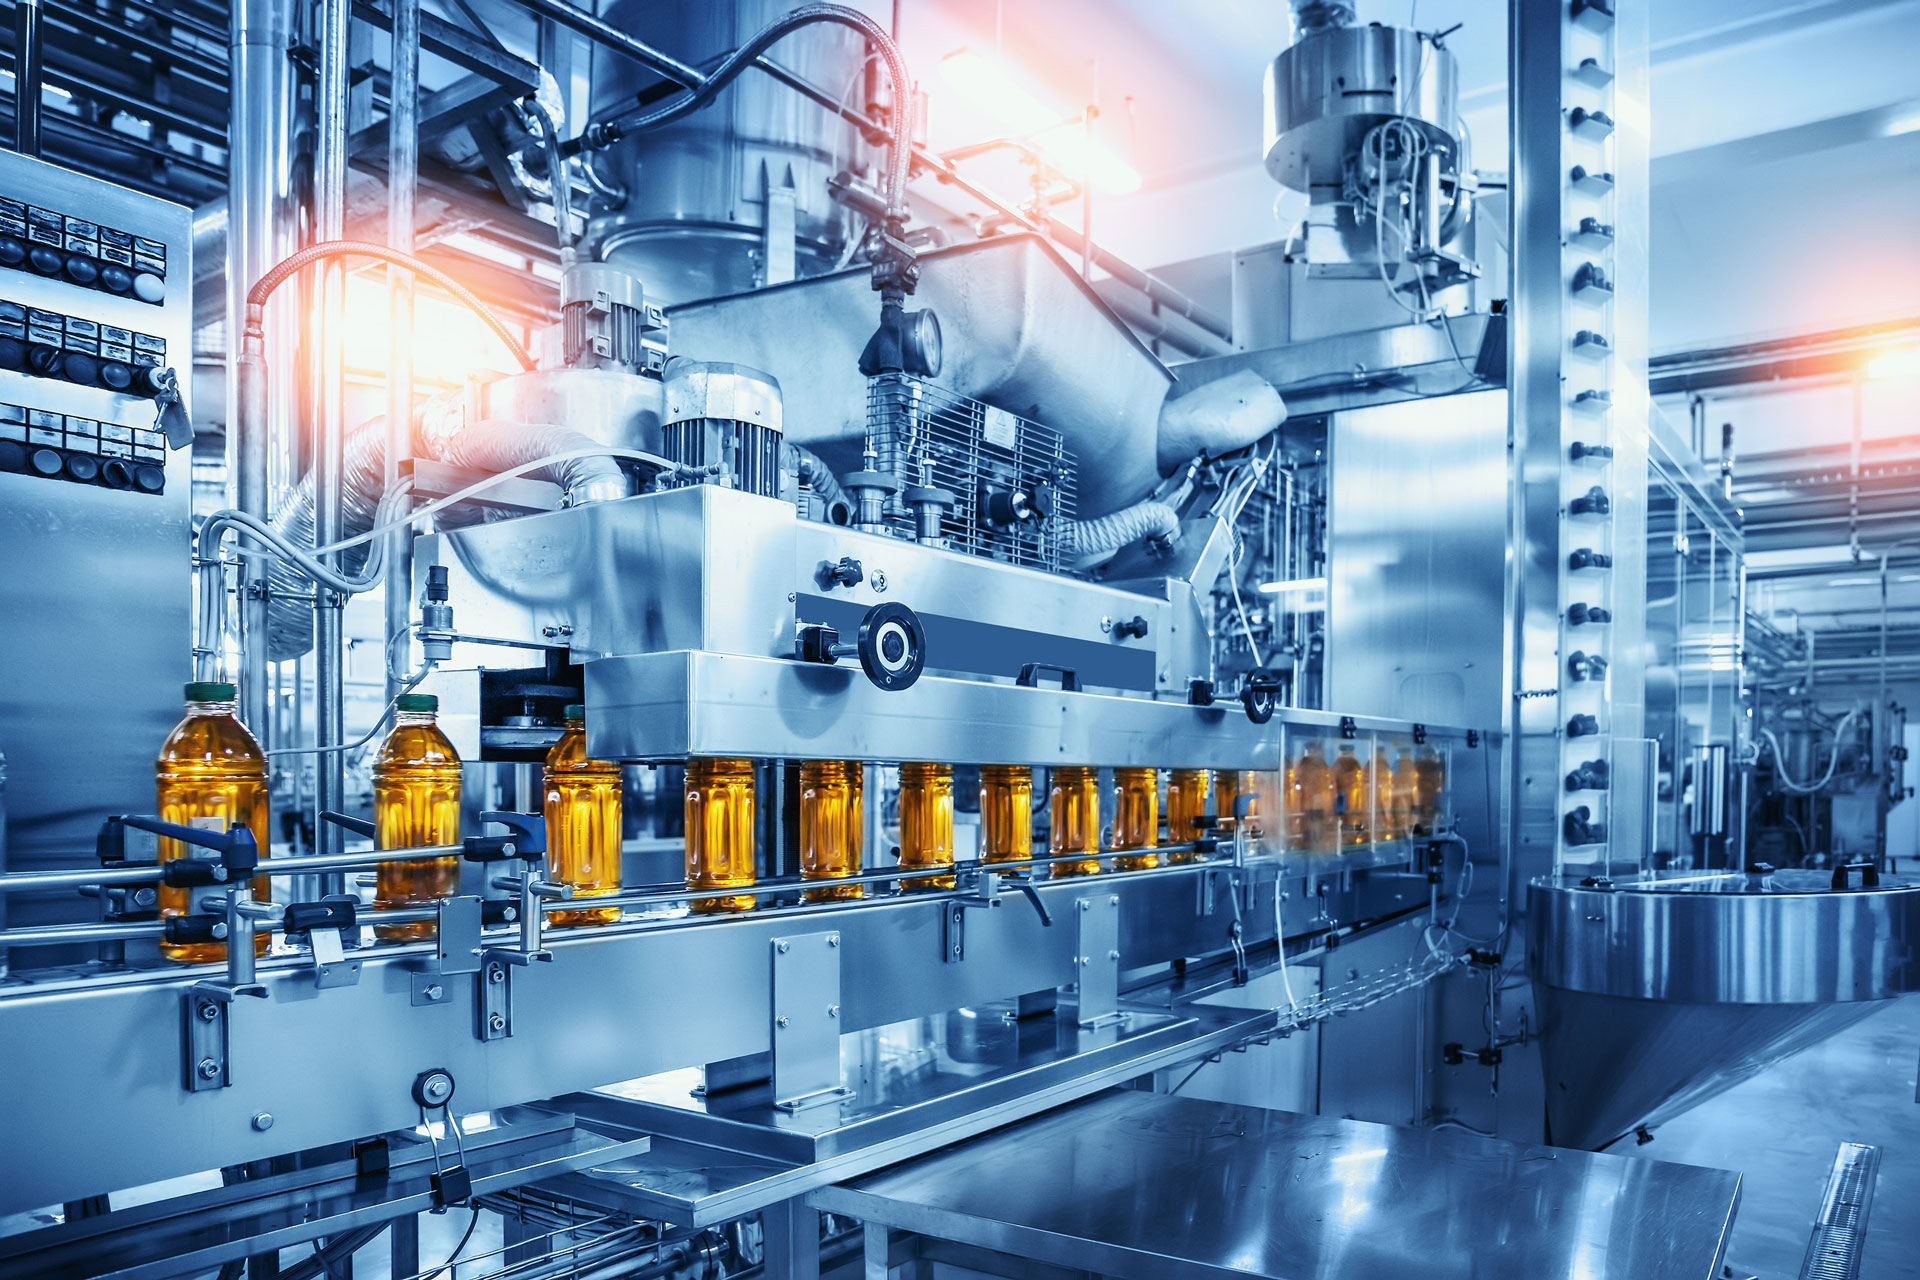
(298, 261)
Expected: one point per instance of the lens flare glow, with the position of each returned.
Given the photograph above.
(993, 88)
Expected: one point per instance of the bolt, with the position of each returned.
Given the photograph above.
(783, 1022)
(1352, 974)
(1113, 955)
(263, 1121)
(1084, 961)
(833, 939)
(496, 974)
(209, 1069)
(507, 849)
(498, 1022)
(434, 992)
(783, 946)
(790, 597)
(1114, 901)
(877, 580)
(208, 1010)
(1085, 905)
(956, 949)
(219, 929)
(833, 1011)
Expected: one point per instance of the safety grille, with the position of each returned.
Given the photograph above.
(1013, 481)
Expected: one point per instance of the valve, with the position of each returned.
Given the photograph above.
(436, 617)
(891, 646)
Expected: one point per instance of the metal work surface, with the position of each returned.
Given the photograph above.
(916, 1086)
(1135, 1184)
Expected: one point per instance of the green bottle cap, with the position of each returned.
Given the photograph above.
(416, 702)
(210, 691)
(576, 711)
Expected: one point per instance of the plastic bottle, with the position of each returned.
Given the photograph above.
(1386, 817)
(1073, 802)
(720, 832)
(1350, 796)
(1136, 817)
(1405, 786)
(583, 823)
(416, 803)
(832, 830)
(1186, 804)
(210, 773)
(926, 823)
(1430, 779)
(1006, 812)
(1311, 823)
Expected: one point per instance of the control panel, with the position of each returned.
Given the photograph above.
(95, 318)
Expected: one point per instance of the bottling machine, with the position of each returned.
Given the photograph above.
(1023, 715)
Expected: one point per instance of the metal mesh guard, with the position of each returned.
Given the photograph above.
(975, 450)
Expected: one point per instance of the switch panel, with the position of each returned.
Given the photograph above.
(67, 247)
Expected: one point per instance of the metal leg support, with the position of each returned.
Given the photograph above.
(791, 1230)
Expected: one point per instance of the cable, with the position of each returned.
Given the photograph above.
(411, 683)
(279, 273)
(458, 1249)
(1280, 940)
(1246, 628)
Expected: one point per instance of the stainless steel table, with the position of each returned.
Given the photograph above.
(1135, 1184)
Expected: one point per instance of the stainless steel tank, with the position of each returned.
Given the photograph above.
(695, 220)
(1326, 91)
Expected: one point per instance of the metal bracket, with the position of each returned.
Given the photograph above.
(1097, 954)
(204, 1039)
(495, 1005)
(331, 968)
(805, 1032)
(458, 932)
(953, 938)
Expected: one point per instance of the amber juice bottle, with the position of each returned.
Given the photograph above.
(1136, 817)
(1386, 819)
(211, 773)
(1350, 795)
(1006, 812)
(1186, 804)
(832, 833)
(1430, 779)
(1073, 802)
(720, 832)
(926, 823)
(416, 803)
(1405, 785)
(1310, 797)
(583, 823)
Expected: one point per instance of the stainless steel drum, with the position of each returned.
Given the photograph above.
(1658, 992)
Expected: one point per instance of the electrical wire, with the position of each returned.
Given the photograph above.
(458, 1249)
(1280, 940)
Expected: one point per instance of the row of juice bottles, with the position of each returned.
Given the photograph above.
(212, 772)
(1351, 802)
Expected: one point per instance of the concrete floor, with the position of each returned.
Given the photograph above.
(1781, 1129)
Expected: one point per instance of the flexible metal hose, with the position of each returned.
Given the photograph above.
(295, 262)
(899, 150)
(1149, 519)
(491, 445)
(557, 178)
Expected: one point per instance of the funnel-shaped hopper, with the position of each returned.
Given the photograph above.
(1656, 995)
(1613, 1063)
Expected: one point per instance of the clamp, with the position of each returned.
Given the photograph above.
(452, 1185)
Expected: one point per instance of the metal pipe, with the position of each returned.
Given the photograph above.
(149, 872)
(403, 174)
(261, 225)
(330, 220)
(26, 77)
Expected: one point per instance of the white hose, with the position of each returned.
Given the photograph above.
(1780, 757)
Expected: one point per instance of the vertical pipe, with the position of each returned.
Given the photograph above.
(26, 77)
(403, 165)
(261, 225)
(330, 217)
